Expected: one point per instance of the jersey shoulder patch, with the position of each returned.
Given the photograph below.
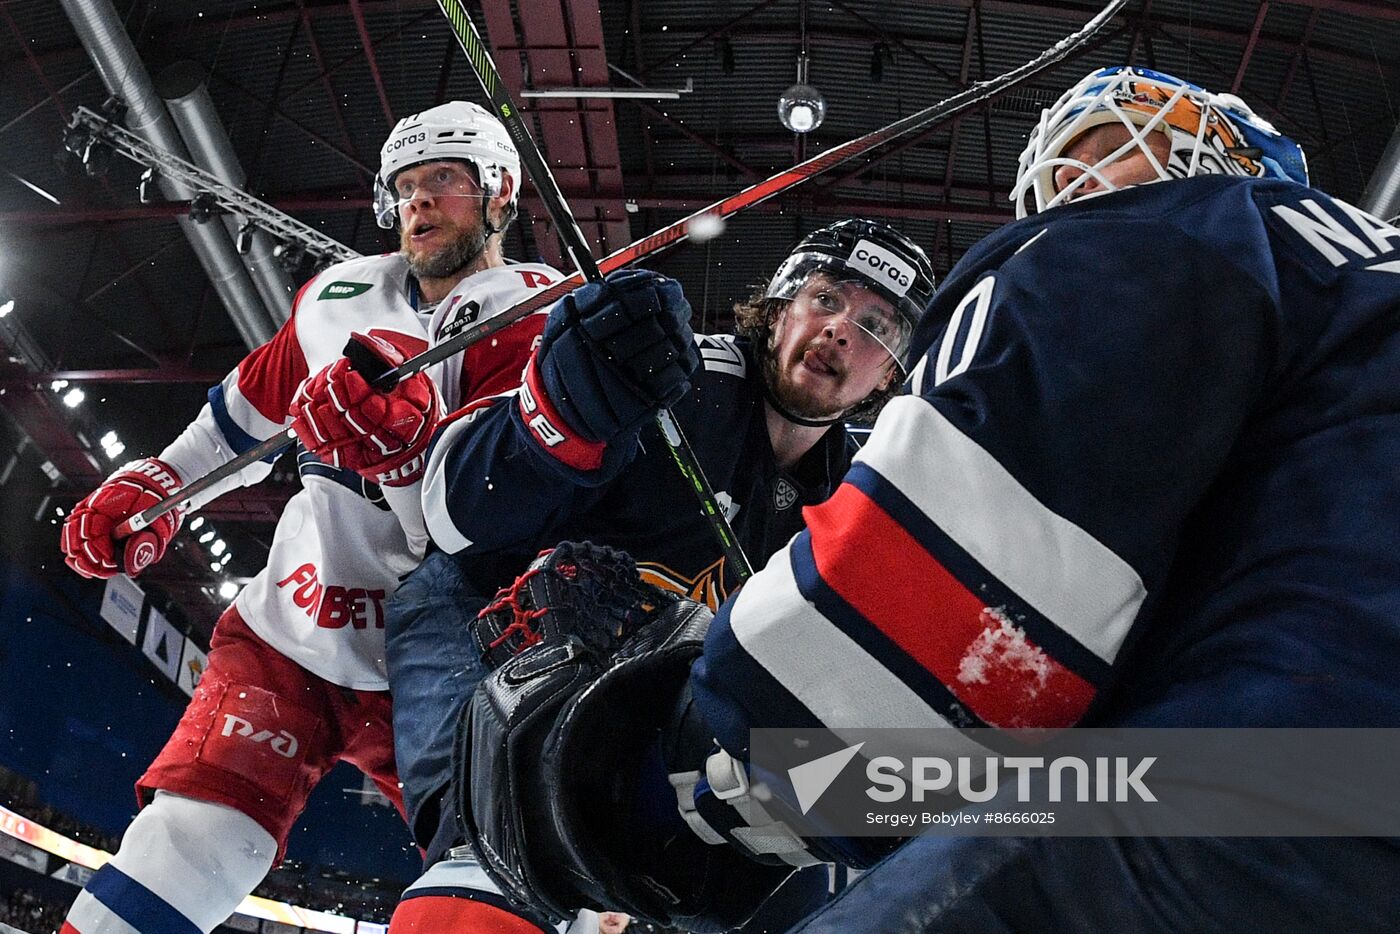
(720, 354)
(486, 294)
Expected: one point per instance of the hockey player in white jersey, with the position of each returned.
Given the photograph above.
(298, 659)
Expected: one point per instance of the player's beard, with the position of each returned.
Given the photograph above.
(792, 398)
(446, 260)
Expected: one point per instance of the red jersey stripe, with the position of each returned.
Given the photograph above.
(977, 651)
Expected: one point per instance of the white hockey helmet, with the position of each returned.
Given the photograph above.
(1211, 134)
(454, 130)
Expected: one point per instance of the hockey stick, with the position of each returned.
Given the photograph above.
(664, 238)
(537, 169)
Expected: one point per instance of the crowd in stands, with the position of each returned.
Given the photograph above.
(20, 795)
(28, 912)
(292, 882)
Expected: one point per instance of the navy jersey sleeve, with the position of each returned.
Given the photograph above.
(488, 487)
(1010, 520)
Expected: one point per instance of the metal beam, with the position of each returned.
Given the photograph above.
(644, 70)
(367, 45)
(1259, 15)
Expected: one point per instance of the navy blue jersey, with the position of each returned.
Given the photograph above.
(493, 496)
(1148, 474)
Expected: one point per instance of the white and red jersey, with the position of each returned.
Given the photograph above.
(339, 551)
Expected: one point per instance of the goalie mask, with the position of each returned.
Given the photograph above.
(1209, 134)
(868, 254)
(456, 130)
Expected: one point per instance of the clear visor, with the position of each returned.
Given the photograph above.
(832, 296)
(432, 181)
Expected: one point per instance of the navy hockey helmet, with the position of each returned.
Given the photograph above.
(1210, 134)
(456, 130)
(870, 254)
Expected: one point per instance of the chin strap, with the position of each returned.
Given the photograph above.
(486, 225)
(778, 407)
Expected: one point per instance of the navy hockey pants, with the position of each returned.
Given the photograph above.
(433, 670)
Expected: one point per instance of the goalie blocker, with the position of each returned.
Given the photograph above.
(555, 748)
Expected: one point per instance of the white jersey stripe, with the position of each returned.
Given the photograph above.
(435, 512)
(1067, 575)
(90, 916)
(244, 414)
(820, 667)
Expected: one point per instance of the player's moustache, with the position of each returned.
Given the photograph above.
(825, 352)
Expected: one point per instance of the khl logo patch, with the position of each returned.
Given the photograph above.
(784, 495)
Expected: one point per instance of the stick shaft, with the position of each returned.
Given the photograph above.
(538, 170)
(670, 236)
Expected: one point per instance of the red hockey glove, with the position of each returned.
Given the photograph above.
(347, 423)
(88, 544)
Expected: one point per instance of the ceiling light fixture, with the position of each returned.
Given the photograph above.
(802, 107)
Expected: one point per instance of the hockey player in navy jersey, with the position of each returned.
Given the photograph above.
(1144, 476)
(576, 454)
(296, 679)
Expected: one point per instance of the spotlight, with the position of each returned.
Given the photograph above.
(207, 537)
(198, 521)
(217, 548)
(289, 256)
(228, 590)
(114, 108)
(77, 141)
(97, 159)
(802, 107)
(244, 241)
(74, 397)
(6, 308)
(203, 207)
(112, 446)
(143, 190)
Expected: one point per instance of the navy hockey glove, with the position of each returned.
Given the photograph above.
(612, 355)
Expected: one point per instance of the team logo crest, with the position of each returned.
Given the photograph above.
(706, 587)
(784, 495)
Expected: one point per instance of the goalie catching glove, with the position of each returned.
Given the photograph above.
(382, 436)
(575, 590)
(549, 751)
